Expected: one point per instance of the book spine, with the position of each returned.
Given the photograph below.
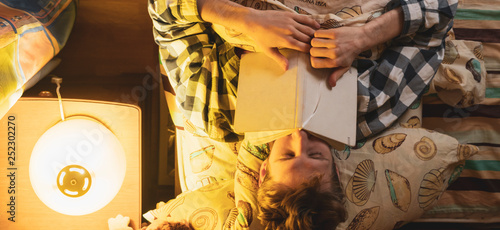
(300, 84)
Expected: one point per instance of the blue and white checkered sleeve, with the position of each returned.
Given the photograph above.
(426, 22)
(387, 87)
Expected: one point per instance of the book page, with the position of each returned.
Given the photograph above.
(334, 114)
(267, 95)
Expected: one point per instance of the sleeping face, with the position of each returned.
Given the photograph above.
(296, 158)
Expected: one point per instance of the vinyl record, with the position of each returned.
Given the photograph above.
(77, 167)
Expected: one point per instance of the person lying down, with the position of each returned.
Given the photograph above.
(387, 86)
(299, 189)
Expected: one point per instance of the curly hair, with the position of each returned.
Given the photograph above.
(177, 226)
(303, 208)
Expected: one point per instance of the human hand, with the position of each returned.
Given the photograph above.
(279, 29)
(337, 48)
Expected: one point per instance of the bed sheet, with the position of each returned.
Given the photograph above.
(31, 34)
(475, 196)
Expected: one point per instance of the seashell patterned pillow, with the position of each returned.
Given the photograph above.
(461, 78)
(395, 177)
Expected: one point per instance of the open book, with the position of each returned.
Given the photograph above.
(270, 99)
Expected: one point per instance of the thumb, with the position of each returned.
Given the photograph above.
(277, 57)
(336, 75)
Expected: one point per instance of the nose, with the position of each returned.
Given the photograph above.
(300, 140)
(301, 162)
(300, 134)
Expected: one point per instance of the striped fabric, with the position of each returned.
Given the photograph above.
(479, 20)
(475, 196)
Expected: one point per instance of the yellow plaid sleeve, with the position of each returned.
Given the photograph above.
(201, 66)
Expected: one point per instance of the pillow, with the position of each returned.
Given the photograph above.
(402, 173)
(461, 78)
(201, 160)
(391, 173)
(206, 208)
(395, 177)
(250, 157)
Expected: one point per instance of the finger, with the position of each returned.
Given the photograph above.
(322, 42)
(302, 36)
(277, 57)
(329, 33)
(309, 31)
(323, 53)
(296, 45)
(336, 75)
(318, 62)
(308, 21)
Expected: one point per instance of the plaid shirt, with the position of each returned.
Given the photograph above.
(203, 68)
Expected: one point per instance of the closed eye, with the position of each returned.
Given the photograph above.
(316, 155)
(288, 156)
